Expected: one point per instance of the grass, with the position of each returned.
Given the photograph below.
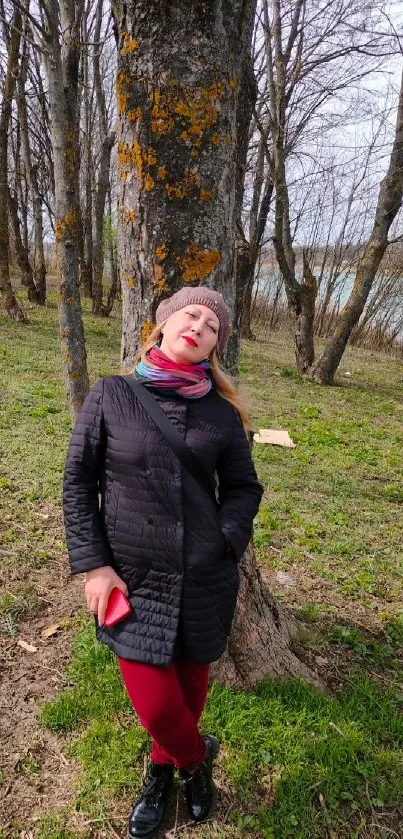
(283, 745)
(333, 505)
(296, 763)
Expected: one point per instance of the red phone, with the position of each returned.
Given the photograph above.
(118, 607)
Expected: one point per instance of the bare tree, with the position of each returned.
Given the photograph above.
(311, 51)
(389, 203)
(61, 54)
(11, 305)
(106, 139)
(20, 248)
(31, 169)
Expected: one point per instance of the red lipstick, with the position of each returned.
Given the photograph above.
(189, 340)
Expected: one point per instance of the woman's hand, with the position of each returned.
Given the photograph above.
(98, 586)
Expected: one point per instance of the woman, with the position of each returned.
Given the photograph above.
(160, 537)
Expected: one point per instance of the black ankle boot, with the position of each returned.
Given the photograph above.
(149, 808)
(200, 791)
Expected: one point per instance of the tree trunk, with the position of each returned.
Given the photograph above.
(303, 325)
(61, 63)
(11, 305)
(31, 174)
(259, 646)
(257, 223)
(246, 329)
(246, 101)
(178, 195)
(177, 142)
(107, 141)
(86, 261)
(114, 290)
(21, 253)
(389, 203)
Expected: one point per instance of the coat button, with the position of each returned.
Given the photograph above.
(179, 524)
(150, 521)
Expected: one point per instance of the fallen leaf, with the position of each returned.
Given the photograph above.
(29, 648)
(50, 630)
(286, 579)
(276, 437)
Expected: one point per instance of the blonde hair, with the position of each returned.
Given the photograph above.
(221, 380)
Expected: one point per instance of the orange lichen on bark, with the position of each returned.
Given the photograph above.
(161, 173)
(233, 84)
(134, 114)
(206, 194)
(122, 95)
(138, 159)
(125, 154)
(128, 279)
(197, 264)
(216, 138)
(159, 280)
(129, 44)
(161, 252)
(134, 157)
(190, 180)
(199, 112)
(128, 213)
(66, 224)
(149, 183)
(146, 330)
(162, 121)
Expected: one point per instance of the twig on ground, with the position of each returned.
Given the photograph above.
(60, 756)
(325, 811)
(111, 827)
(376, 823)
(52, 670)
(336, 728)
(173, 833)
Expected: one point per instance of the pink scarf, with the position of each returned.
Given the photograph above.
(189, 380)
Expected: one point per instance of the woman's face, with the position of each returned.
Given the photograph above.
(190, 334)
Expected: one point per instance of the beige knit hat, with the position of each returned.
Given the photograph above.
(203, 296)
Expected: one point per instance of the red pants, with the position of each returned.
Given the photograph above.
(169, 703)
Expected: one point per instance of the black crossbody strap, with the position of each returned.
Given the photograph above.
(178, 445)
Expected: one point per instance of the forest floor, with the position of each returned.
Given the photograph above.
(328, 540)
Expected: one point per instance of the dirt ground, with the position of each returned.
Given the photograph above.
(36, 777)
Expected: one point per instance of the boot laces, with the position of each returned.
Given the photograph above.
(153, 789)
(203, 779)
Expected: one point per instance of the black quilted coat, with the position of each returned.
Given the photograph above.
(129, 503)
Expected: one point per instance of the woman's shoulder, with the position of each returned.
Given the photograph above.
(111, 383)
(109, 388)
(221, 407)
